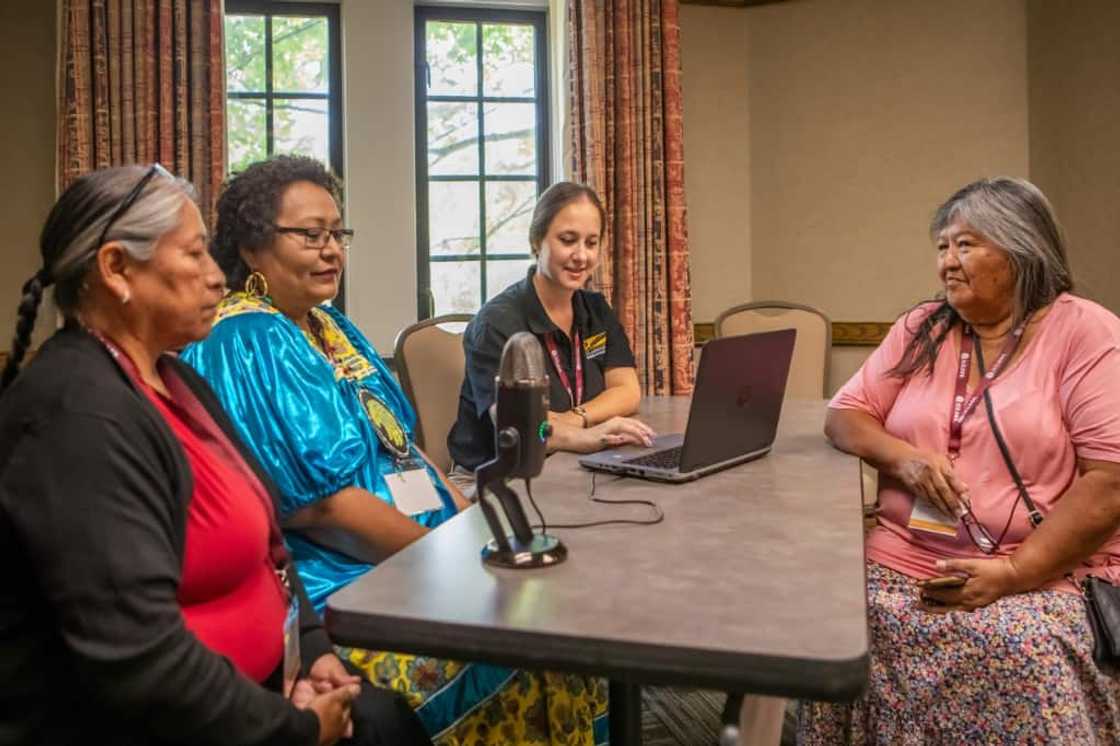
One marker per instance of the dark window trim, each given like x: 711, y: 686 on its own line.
x: 423, y: 14
x: 331, y: 11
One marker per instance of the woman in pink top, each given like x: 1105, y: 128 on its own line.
x: 1005, y: 654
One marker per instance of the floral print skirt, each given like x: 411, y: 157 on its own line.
x: 474, y: 704
x: 1019, y: 671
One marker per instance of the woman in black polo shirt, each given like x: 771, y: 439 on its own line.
x: 593, y: 391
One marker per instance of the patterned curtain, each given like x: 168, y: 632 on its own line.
x: 627, y: 142
x: 142, y: 81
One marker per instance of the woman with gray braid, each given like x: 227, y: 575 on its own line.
x: 150, y: 598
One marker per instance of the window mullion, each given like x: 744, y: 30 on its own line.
x: 269, y: 138
x: 481, y: 169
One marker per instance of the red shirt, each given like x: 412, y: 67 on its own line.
x: 230, y: 595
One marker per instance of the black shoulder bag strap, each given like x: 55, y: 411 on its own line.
x: 1102, y: 599
x: 1032, y: 510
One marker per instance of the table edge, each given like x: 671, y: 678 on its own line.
x: 837, y: 680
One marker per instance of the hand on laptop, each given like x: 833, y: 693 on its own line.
x: 615, y: 432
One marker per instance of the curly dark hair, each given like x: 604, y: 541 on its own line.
x: 248, y: 204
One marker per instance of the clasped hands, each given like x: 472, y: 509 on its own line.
x: 328, y: 691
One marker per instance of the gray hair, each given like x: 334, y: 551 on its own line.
x: 1016, y: 216
x: 71, y: 238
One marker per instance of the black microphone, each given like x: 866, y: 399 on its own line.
x: 521, y: 396
x: 520, y: 443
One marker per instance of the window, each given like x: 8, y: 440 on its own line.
x: 482, y: 151
x: 283, y: 84
x: 283, y: 81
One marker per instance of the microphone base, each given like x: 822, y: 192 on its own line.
x: 543, y: 551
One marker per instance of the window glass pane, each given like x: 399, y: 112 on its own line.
x: 246, y: 137
x: 245, y: 53
x: 299, y: 54
x: 509, y: 209
x: 453, y: 217
x: 456, y: 286
x: 511, y: 138
x: 507, y: 60
x: 501, y: 273
x: 453, y: 139
x: 452, y: 53
x: 300, y: 127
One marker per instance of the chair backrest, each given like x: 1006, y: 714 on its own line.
x: 430, y: 362
x: 808, y: 372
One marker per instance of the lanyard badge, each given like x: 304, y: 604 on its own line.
x: 962, y: 406
x: 389, y: 430
x: 924, y: 516
x: 575, y: 396
x: 409, y: 485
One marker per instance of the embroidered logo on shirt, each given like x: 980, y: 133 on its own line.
x: 595, y: 345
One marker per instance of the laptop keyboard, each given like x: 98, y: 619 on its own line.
x: 670, y: 458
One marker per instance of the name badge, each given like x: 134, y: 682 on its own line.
x: 291, y: 646
x: 413, y: 491
x: 925, y: 516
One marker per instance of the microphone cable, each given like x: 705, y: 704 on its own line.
x: 659, y: 515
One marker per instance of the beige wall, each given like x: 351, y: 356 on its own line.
x: 27, y: 140
x: 1075, y: 132
x: 717, y: 156
x: 377, y: 41
x: 863, y: 116
x: 380, y: 166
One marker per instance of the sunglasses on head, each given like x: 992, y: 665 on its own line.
x: 133, y: 195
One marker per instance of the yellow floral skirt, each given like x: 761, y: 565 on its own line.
x: 476, y: 704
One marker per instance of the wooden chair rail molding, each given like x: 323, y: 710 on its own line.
x: 844, y: 333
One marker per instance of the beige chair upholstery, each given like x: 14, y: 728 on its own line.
x: 430, y: 363
x: 808, y: 374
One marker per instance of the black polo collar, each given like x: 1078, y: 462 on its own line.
x: 533, y: 310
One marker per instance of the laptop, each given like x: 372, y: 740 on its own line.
x: 733, y: 417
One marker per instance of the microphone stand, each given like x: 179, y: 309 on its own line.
x: 522, y: 549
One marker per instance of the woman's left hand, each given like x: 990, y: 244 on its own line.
x: 988, y: 581
x: 328, y: 673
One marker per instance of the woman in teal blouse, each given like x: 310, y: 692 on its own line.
x: 325, y: 416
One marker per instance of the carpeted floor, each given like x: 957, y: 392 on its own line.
x: 686, y: 717
x: 680, y: 717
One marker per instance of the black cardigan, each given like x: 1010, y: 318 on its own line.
x: 94, y: 489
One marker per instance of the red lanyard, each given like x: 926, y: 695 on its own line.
x: 963, y: 407
x: 203, y: 422
x: 577, y: 364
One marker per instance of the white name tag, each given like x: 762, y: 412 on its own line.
x: 927, y: 517
x: 413, y: 491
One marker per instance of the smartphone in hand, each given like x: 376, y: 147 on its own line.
x: 945, y: 581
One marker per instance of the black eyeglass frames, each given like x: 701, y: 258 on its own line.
x: 318, y: 238
x: 133, y: 195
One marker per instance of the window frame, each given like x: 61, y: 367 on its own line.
x: 333, y: 96
x: 422, y: 14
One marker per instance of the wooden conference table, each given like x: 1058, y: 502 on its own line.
x: 754, y: 582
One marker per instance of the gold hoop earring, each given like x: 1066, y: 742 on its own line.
x: 256, y: 286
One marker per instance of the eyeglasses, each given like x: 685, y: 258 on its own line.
x: 977, y: 533
x: 318, y: 238
x: 134, y: 195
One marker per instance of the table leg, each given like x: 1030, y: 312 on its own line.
x: 625, y: 714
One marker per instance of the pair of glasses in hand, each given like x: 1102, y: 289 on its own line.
x: 979, y: 535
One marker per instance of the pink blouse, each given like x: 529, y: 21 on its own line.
x: 1058, y: 402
